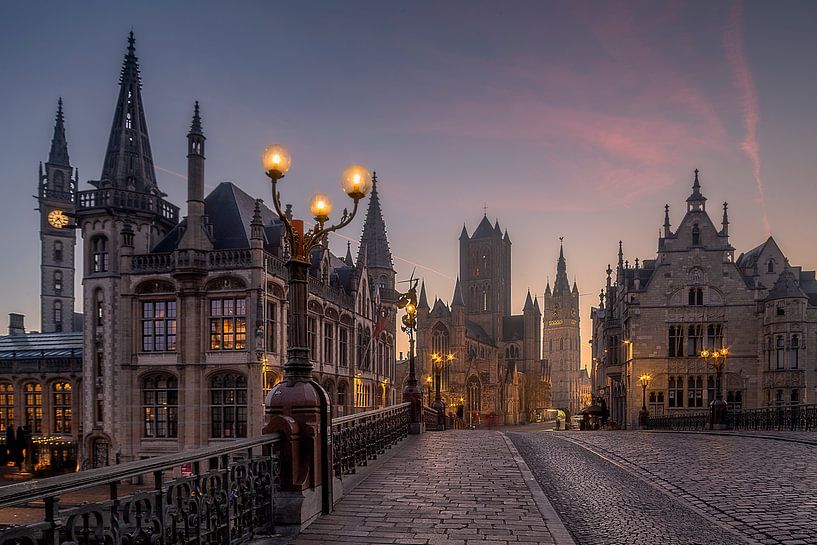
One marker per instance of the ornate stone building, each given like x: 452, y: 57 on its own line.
x: 561, y: 342
x: 185, y: 321
x: 498, y: 370
x: 657, y: 315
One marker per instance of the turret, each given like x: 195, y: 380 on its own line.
x: 696, y: 201
x: 374, y: 243
x: 195, y: 236
x: 667, y: 232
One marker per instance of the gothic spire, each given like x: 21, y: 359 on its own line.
x: 464, y: 233
x: 620, y: 255
x: 696, y: 201
x: 59, y: 145
x: 423, y: 303
x: 195, y: 126
x: 528, y: 303
x: 374, y: 240
x: 457, y: 300
x: 725, y: 221
x: 128, y: 160
x: 562, y: 284
x: 536, y: 305
x: 666, y: 221
x: 348, y: 259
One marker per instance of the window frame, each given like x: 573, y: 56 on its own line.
x: 160, y: 406
x: 228, y: 323
x: 160, y: 331
x: 228, y: 404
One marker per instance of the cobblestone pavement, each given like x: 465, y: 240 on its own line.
x: 451, y: 488
x: 693, y: 488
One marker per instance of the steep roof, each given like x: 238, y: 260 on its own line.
x: 374, y: 240
x: 128, y: 159
x: 475, y: 331
x: 58, y: 155
x: 787, y: 285
x: 457, y: 299
x: 484, y: 229
x: 229, y: 211
x: 513, y: 328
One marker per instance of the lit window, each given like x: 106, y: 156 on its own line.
x: 62, y: 408
x: 6, y: 406
x: 34, y: 406
x: 160, y: 400
x: 228, y: 324
x: 228, y: 406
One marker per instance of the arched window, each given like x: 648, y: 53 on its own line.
x: 99, y: 254
x: 6, y: 405
x: 473, y: 401
x: 228, y: 406
x: 62, y: 407
x: 160, y: 405
x: 484, y: 299
x: 770, y: 266
x: 58, y: 281
x: 440, y: 345
x: 794, y: 352
x: 33, y: 405
x: 58, y: 251
x: 696, y: 235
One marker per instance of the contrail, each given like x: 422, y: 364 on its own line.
x: 736, y: 56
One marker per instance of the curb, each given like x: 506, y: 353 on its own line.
x: 740, y: 434
x: 552, y: 520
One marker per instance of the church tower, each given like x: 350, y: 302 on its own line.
x: 561, y: 344
x: 485, y: 272
x: 56, y: 199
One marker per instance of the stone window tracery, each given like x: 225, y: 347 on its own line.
x: 160, y: 400
x: 228, y: 406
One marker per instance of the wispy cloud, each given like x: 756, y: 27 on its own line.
x: 742, y: 75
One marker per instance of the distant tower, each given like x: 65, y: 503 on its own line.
x: 55, y: 196
x: 560, y: 338
x: 485, y: 272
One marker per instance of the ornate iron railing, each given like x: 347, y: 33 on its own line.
x: 358, y: 438
x: 229, y: 501
x: 789, y: 418
x: 431, y: 417
x: 686, y: 421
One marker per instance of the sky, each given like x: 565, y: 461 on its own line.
x: 573, y: 119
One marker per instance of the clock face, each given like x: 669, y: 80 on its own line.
x: 57, y: 219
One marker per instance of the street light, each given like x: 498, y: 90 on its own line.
x: 439, y: 360
x: 356, y: 182
x: 718, y: 408
x: 408, y: 302
x: 644, y: 414
x: 429, y: 380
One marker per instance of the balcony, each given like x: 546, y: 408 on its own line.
x: 120, y: 199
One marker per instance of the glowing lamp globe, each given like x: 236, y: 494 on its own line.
x: 356, y: 181
x: 320, y: 206
x: 277, y: 161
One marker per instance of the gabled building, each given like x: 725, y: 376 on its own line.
x: 498, y: 371
x: 657, y: 315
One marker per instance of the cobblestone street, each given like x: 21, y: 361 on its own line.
x: 645, y: 488
x: 450, y: 488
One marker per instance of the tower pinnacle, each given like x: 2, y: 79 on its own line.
x: 59, y: 145
x: 374, y: 241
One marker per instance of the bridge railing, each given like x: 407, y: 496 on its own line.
x: 788, y: 418
x: 361, y: 437
x: 223, y: 494
x: 431, y: 418
x: 686, y: 421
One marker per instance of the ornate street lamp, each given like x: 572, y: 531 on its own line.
x: 299, y: 403
x: 439, y: 360
x: 429, y: 381
x: 411, y: 392
x: 718, y: 408
x: 644, y: 414
x: 356, y: 182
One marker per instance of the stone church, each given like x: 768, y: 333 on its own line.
x: 657, y: 315
x: 497, y: 374
x: 185, y: 318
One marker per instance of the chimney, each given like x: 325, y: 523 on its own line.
x: 17, y: 324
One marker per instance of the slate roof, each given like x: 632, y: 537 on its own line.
x: 786, y: 286
x: 484, y: 229
x: 513, y: 328
x: 41, y: 345
x: 475, y: 331
x: 374, y: 240
x: 229, y: 211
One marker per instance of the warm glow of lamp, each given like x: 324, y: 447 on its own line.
x: 356, y: 181
x: 277, y: 161
x: 645, y: 379
x: 724, y: 351
x: 704, y: 353
x: 428, y: 379
x: 320, y: 206
x: 410, y: 308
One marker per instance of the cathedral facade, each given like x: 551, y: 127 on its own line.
x: 184, y: 319
x: 657, y: 316
x: 497, y: 373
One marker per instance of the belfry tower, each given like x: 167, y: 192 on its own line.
x: 560, y: 337
x: 56, y: 199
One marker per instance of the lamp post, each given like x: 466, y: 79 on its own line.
x: 429, y: 380
x: 718, y: 407
x: 411, y: 392
x: 644, y: 414
x: 439, y: 360
x: 299, y: 403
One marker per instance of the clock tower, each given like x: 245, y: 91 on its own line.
x: 56, y: 199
